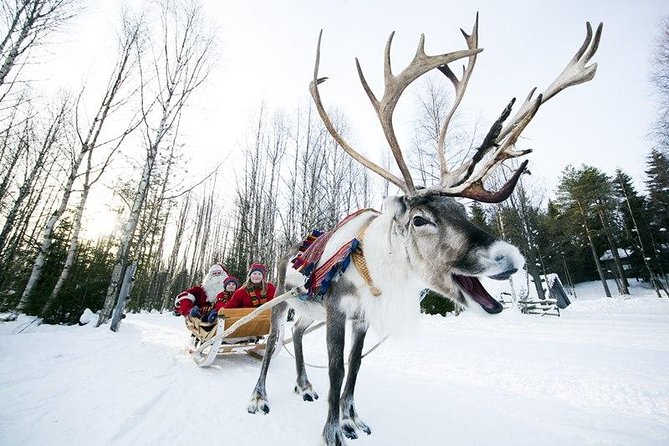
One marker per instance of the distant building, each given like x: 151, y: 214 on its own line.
x: 625, y: 255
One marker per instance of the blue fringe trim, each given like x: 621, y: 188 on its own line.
x: 318, y: 290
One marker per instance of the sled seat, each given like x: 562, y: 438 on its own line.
x: 258, y: 326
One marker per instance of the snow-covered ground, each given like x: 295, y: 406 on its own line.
x: 597, y: 375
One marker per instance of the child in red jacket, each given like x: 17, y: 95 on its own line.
x: 230, y: 285
x: 255, y: 291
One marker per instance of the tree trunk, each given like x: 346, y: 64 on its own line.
x: 31, y: 20
x: 128, y: 279
x: 624, y: 285
x: 594, y: 252
x: 14, y: 52
x: 127, y: 236
x: 651, y: 274
x: 74, y: 242
x: 568, y: 276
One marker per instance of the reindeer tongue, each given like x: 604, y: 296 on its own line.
x: 472, y: 286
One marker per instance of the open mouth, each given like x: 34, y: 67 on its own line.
x: 473, y: 287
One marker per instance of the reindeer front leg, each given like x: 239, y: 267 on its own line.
x: 350, y: 422
x: 336, y: 326
x: 259, y: 396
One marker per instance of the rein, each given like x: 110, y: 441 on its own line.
x: 317, y: 366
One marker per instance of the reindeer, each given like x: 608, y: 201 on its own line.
x: 423, y: 239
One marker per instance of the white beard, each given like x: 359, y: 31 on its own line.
x: 213, y: 285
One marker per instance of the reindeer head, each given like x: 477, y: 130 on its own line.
x: 448, y: 251
x: 442, y: 245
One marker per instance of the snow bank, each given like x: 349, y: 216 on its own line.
x: 597, y: 375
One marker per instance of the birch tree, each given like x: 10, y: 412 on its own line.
x: 252, y: 195
x: 87, y: 142
x: 44, y: 150
x: 433, y: 103
x: 37, y: 173
x: 11, y: 153
x: 322, y: 184
x: 27, y: 22
x: 180, y: 65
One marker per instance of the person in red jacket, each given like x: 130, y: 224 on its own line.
x: 255, y: 291
x: 199, y: 301
x: 230, y: 285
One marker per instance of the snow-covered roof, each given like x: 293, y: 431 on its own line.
x: 622, y: 253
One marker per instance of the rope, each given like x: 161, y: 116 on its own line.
x: 26, y: 325
x: 325, y: 366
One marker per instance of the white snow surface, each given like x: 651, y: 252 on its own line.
x: 597, y: 375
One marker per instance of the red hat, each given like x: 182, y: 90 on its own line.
x: 258, y: 267
x: 230, y: 279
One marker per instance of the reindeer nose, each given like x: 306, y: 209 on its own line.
x: 505, y: 260
x: 504, y: 275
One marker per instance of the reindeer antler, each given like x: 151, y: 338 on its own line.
x: 394, y: 87
x: 467, y: 180
x: 498, y: 145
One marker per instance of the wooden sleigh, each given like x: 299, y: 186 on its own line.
x: 237, y: 330
x: 249, y: 337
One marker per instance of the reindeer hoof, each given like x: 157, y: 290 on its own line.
x: 258, y: 403
x: 363, y: 427
x: 351, y: 426
x: 348, y: 429
x: 308, y: 393
x: 333, y: 439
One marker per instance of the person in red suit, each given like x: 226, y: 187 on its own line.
x: 255, y: 291
x: 230, y: 285
x: 200, y: 301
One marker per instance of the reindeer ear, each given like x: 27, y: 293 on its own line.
x: 395, y: 206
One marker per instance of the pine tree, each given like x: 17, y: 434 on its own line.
x: 633, y: 216
x: 658, y: 207
x: 658, y: 188
x: 637, y: 229
x: 479, y: 216
x: 568, y: 244
x: 586, y: 194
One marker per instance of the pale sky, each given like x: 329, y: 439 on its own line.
x: 267, y: 49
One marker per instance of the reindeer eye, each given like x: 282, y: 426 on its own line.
x: 420, y: 221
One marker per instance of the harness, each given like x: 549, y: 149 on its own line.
x: 310, y: 252
x: 359, y: 261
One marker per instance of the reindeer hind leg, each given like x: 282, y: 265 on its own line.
x: 303, y: 387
